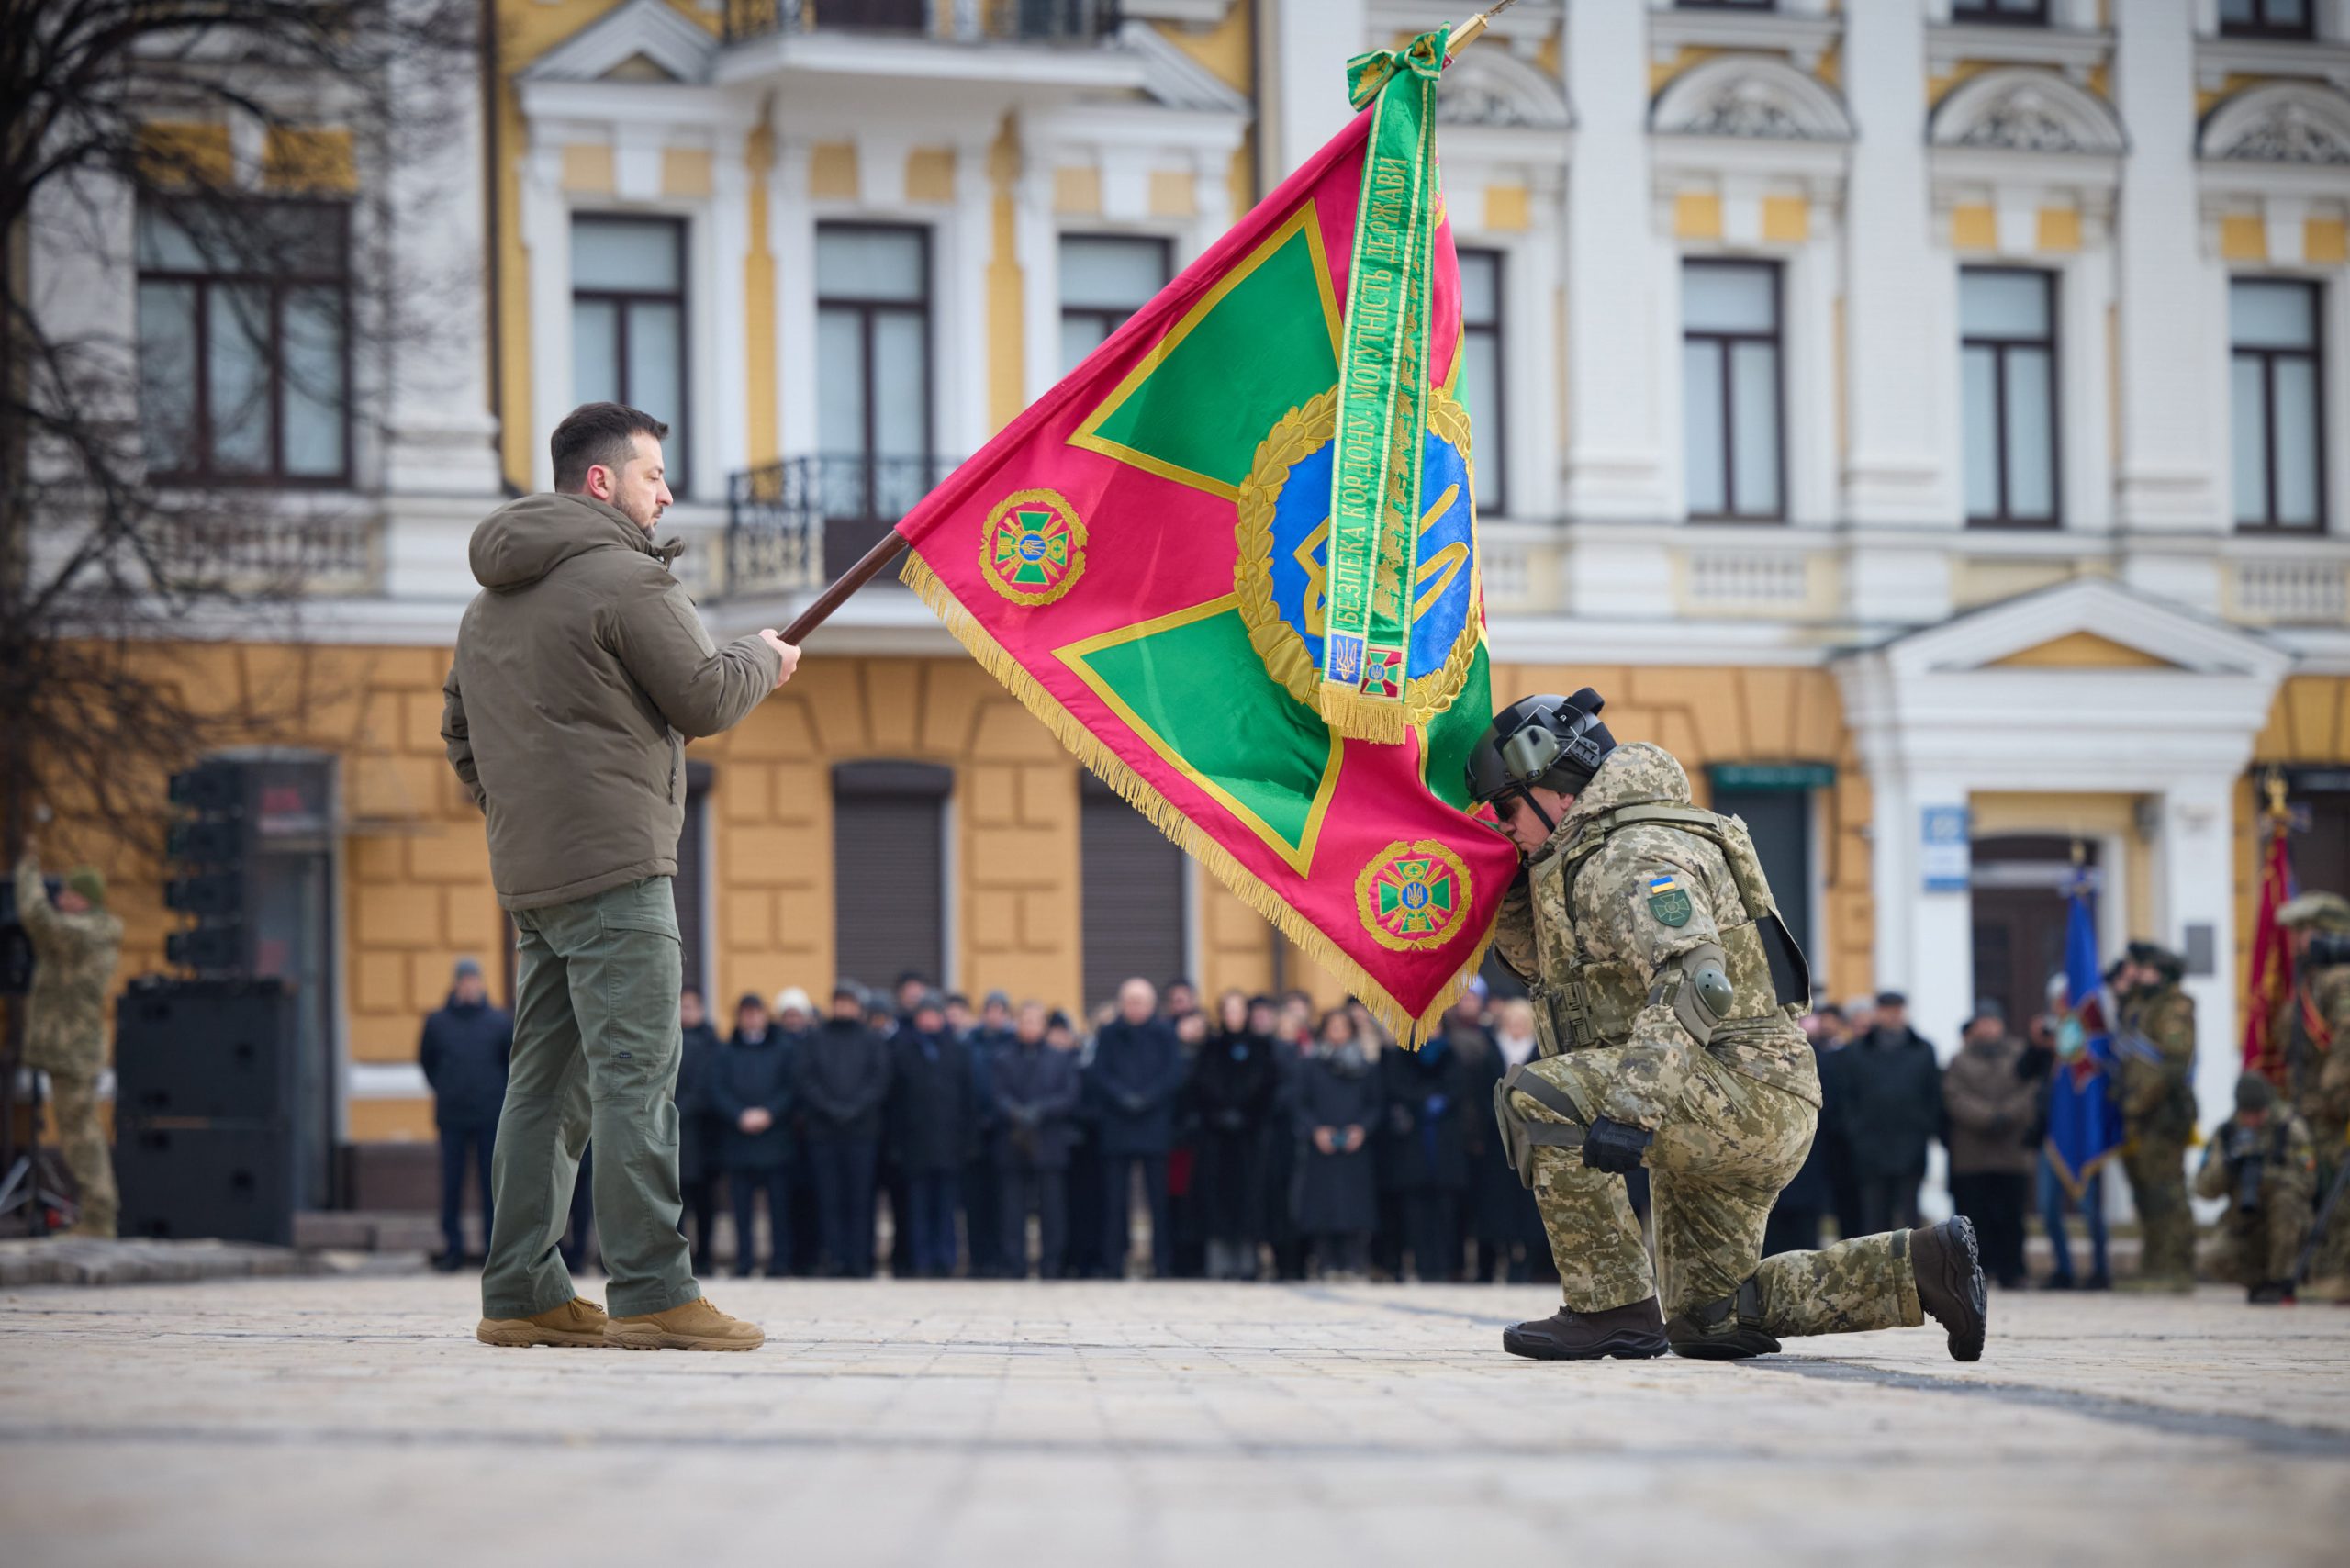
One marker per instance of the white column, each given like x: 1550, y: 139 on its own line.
x: 963, y: 346
x: 1939, y: 965
x: 1307, y: 45
x: 1893, y: 475
x: 1212, y: 211
x: 1808, y: 342
x: 722, y: 441
x: 1036, y: 244
x: 791, y: 240
x: 1529, y: 360
x: 439, y: 433
x: 546, y: 241
x: 2168, y: 478
x: 1624, y: 281
x: 2195, y: 885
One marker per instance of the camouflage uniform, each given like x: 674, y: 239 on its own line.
x: 2315, y: 1028
x: 2157, y: 1094
x: 65, y: 1033
x: 2262, y: 1246
x: 1732, y: 1120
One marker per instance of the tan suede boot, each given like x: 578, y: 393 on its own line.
x: 696, y: 1326
x: 576, y: 1322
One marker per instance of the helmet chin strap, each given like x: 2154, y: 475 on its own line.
x: 1526, y: 793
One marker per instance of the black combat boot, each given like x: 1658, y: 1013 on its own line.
x: 1630, y: 1333
x: 1950, y: 1283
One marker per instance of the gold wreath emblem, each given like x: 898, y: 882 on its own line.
x: 1296, y: 436
x: 1386, y: 892
x: 1029, y: 566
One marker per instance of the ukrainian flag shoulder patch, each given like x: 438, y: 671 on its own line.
x: 1668, y: 901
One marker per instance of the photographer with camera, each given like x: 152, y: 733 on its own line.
x: 2315, y: 1030
x: 2260, y: 1161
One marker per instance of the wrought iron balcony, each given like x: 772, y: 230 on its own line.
x: 799, y: 523
x: 961, y: 21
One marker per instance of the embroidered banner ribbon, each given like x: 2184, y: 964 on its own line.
x: 1382, y: 395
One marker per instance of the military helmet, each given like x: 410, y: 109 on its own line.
x: 1555, y: 742
x: 2319, y: 911
x: 2254, y: 1093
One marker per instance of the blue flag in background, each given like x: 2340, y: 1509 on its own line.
x: 2083, y: 1122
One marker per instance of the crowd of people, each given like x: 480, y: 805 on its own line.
x: 1255, y: 1136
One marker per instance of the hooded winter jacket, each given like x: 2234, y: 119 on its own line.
x: 582, y: 669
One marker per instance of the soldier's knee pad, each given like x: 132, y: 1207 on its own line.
x: 1522, y: 1133
x: 1728, y: 1329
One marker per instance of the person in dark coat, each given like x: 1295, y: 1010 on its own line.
x: 841, y: 1082
x: 751, y: 1089
x: 1137, y: 1076
x: 1423, y: 1153
x: 982, y: 1227
x: 1234, y: 1082
x: 700, y: 1130
x: 931, y: 1118
x: 1891, y: 1090
x: 464, y: 1052
x: 1490, y: 1207
x: 1831, y: 1046
x: 1336, y: 1198
x: 1036, y: 1086
x: 1794, y: 1222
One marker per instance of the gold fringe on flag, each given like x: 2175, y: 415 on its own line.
x: 1353, y: 712
x: 1137, y: 791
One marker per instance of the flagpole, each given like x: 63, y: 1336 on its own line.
x: 893, y: 543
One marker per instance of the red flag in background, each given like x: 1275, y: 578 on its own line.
x: 2271, y: 976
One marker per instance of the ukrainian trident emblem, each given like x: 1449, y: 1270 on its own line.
x: 1411, y: 895
x: 1032, y: 549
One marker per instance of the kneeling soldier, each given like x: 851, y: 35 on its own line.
x: 2263, y: 1161
x: 1665, y: 993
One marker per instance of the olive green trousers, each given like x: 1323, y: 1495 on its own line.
x: 595, y: 1048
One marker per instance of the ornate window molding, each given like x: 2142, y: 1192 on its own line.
x: 1750, y: 97
x: 651, y: 29
x: 1496, y: 88
x: 2020, y: 109
x: 2279, y: 123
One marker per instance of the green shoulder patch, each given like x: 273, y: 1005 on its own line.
x: 1668, y: 900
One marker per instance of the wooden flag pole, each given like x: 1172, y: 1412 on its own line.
x: 893, y: 543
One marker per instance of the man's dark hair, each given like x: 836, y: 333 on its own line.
x: 597, y: 433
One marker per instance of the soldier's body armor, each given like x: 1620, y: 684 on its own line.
x: 1581, y: 1003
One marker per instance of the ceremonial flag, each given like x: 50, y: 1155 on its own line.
x: 2084, y: 1122
x: 2271, y: 976
x: 1231, y: 561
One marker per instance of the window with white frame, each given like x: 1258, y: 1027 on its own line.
x: 1104, y: 279
x: 2007, y: 322
x: 628, y: 322
x: 244, y: 361
x: 1481, y: 374
x: 1729, y: 389
x: 873, y: 358
x: 2276, y: 403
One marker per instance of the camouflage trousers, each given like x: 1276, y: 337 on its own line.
x: 2256, y: 1248
x: 1714, y: 1168
x: 73, y: 1101
x: 2156, y: 1165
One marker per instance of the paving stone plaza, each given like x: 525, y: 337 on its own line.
x: 354, y: 1420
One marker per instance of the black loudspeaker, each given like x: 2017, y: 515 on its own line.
x: 233, y: 1181
x: 210, y: 1049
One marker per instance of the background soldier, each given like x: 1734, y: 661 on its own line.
x: 75, y: 943
x: 2260, y: 1161
x: 1665, y: 990
x: 2316, y: 1070
x: 2157, y: 1092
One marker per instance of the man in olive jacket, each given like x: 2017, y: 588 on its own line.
x: 582, y: 669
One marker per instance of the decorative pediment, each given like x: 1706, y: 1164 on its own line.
x: 2088, y: 623
x: 639, y: 40
x: 1172, y: 78
x: 2023, y: 110
x: 1752, y: 96
x: 2283, y: 122
x: 1496, y: 88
